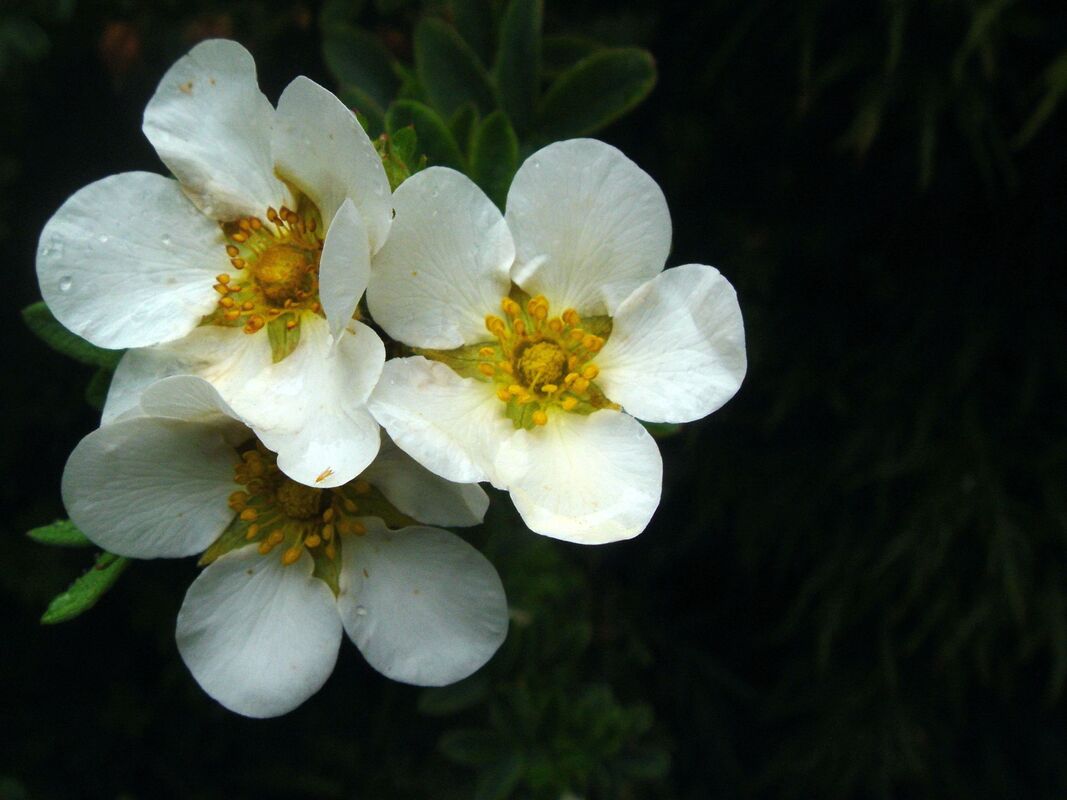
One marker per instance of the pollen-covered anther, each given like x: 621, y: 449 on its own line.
x: 359, y: 486
x: 292, y: 555
x: 539, y: 417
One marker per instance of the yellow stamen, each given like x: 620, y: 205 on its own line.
x: 292, y: 555
x: 539, y: 417
x: 486, y: 369
x: 569, y: 403
x: 591, y: 371
x: 249, y: 515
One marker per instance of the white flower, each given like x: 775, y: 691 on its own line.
x: 247, y: 269
x: 289, y: 566
x: 591, y: 333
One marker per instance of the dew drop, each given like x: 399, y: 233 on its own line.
x: 104, y: 238
x: 166, y: 241
x: 434, y: 214
x: 361, y: 611
x: 434, y: 193
x: 65, y: 283
x: 537, y: 164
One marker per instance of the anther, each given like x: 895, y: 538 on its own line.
x: 505, y: 366
x: 580, y: 385
x: 247, y: 305
x: 240, y: 236
x: 238, y: 500
x: 539, y: 417
x: 486, y: 352
x: 244, y: 224
x: 503, y: 394
x: 486, y: 369
x: 350, y: 505
x: 591, y: 342
x: 252, y: 532
x: 220, y: 288
x: 591, y: 371
x: 232, y: 315
x: 272, y: 215
x: 238, y: 263
x: 361, y: 487
x: 576, y: 334
x: 223, y: 278
x: 555, y: 325
x: 292, y: 555
x: 569, y: 403
x: 570, y: 378
x: 232, y: 251
x: 314, y: 540
x: 549, y: 388
x: 359, y: 528
x: 327, y: 532
x: 276, y: 537
x: 510, y: 307
x: 327, y: 515
x: 495, y: 325
x: 290, y: 324
x: 570, y: 316
x: 226, y: 302
x: 249, y: 515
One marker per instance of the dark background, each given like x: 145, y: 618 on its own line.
x: 855, y: 585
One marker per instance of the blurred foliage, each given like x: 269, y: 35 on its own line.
x: 855, y: 585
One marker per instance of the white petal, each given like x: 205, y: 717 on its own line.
x: 186, y: 398
x: 420, y: 494
x: 590, y: 226
x: 445, y: 265
x: 211, y: 126
x: 344, y: 267
x: 677, y: 347
x: 310, y: 408
x: 421, y: 604
x: 259, y: 637
x: 589, y: 479
x: 127, y: 261
x: 453, y: 426
x: 320, y: 146
x: 150, y: 488
x: 226, y: 357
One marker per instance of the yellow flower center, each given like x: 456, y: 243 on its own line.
x: 542, y: 363
x: 287, y: 517
x: 276, y: 270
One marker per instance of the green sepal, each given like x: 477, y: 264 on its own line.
x: 598, y: 326
x: 328, y: 570
x: 84, y: 593
x: 358, y: 58
x: 374, y: 504
x: 449, y: 70
x: 61, y: 533
x: 370, y: 115
x: 97, y: 388
x: 464, y: 360
x: 435, y: 139
x: 518, y: 61
x: 595, y: 92
x: 495, y: 157
x: 662, y: 430
x: 283, y: 339
x: 463, y: 124
x: 39, y: 319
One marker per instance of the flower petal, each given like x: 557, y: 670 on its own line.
x: 319, y: 145
x: 310, y: 408
x: 589, y: 479
x: 422, y: 495
x: 186, y: 398
x: 677, y: 347
x: 151, y: 488
x: 344, y: 267
x: 422, y: 605
x: 451, y: 425
x: 210, y: 124
x: 227, y: 358
x: 590, y: 226
x: 259, y: 637
x: 445, y: 265
x: 127, y: 261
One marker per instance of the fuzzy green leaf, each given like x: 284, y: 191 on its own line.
x: 473, y: 748
x: 84, y: 593
x: 463, y: 124
x: 518, y: 61
x: 495, y: 156
x: 368, y: 112
x: 474, y: 22
x: 435, y: 139
x: 39, y: 319
x: 449, y: 70
x: 61, y: 533
x: 358, y: 58
x: 560, y: 53
x: 595, y: 92
x: 499, y: 780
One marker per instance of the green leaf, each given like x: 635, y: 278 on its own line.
x: 358, y: 58
x: 368, y: 112
x: 500, y: 779
x: 283, y: 339
x: 61, y: 533
x: 84, y: 593
x: 96, y: 391
x: 560, y: 53
x: 444, y: 700
x: 338, y: 14
x: 435, y: 140
x: 495, y: 157
x: 474, y: 21
x: 647, y: 763
x: 472, y: 747
x: 39, y: 319
x: 518, y: 61
x: 449, y: 70
x: 596, y: 91
x: 463, y: 124
x: 662, y: 430
x: 399, y: 154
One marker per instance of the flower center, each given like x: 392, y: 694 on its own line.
x: 276, y: 270
x: 542, y: 363
x: 284, y: 516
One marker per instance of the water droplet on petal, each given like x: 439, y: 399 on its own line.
x: 166, y: 241
x: 361, y: 611
x: 65, y: 283
x: 104, y: 238
x: 537, y: 164
x: 434, y: 193
x: 434, y: 214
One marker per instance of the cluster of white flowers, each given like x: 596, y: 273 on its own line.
x: 243, y: 421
